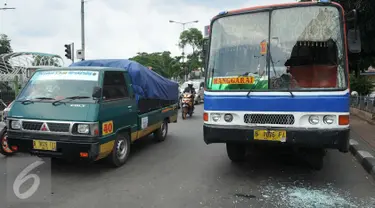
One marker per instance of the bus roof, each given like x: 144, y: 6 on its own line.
x: 277, y: 5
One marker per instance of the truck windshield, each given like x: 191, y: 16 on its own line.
x: 299, y: 48
x: 57, y: 85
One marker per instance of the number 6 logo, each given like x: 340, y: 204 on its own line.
x: 23, y: 177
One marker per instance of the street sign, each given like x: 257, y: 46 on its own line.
x: 80, y: 54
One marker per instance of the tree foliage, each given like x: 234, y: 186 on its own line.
x: 171, y: 67
x: 161, y: 62
x: 45, y: 61
x: 5, y: 46
x: 194, y: 38
x: 362, y: 84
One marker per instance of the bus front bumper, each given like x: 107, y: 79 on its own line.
x: 314, y: 138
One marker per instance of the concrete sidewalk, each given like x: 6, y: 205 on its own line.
x: 362, y: 142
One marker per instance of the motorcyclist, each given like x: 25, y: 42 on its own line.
x: 190, y: 89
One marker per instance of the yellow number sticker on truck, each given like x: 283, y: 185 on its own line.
x: 107, y: 128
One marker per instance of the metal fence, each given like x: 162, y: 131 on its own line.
x: 7, y: 98
x: 364, y: 103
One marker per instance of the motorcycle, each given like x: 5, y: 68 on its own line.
x: 4, y: 148
x: 187, y: 104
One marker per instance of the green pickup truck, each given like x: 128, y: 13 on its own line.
x: 90, y: 112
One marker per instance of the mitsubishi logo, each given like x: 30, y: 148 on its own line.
x: 44, y: 127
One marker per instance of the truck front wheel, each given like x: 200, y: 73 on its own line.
x: 4, y: 148
x: 236, y: 152
x: 121, y: 150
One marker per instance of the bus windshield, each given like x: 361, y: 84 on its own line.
x: 297, y: 48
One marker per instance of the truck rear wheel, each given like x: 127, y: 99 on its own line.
x: 236, y: 152
x: 121, y: 150
x: 161, y: 133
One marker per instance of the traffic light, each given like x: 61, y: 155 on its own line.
x: 68, y: 51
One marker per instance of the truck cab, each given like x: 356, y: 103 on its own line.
x: 85, y: 113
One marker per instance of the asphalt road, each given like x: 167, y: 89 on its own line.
x: 185, y: 172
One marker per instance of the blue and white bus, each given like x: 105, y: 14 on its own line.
x: 278, y: 74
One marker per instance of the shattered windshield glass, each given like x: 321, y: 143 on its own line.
x: 303, y: 50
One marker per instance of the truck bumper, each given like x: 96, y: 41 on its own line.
x: 66, y: 146
x: 330, y: 139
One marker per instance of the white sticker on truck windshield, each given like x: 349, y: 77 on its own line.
x: 66, y: 75
x: 144, y: 122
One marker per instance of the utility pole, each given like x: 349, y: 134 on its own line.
x: 83, y: 29
x: 183, y: 48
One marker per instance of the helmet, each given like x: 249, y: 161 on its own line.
x: 189, y: 83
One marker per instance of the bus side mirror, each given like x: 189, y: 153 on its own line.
x: 97, y: 92
x: 205, y: 47
x: 353, y: 35
x: 354, y: 41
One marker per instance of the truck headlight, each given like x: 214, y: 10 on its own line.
x: 83, y: 128
x: 15, y: 124
x: 314, y: 120
x: 215, y: 117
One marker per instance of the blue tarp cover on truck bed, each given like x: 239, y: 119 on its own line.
x: 145, y: 82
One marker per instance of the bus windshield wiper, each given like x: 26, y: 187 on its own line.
x: 290, y: 91
x: 37, y: 98
x: 248, y: 93
x: 70, y: 98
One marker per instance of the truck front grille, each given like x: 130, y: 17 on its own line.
x: 54, y: 127
x: 59, y: 127
x: 31, y: 125
x: 282, y: 119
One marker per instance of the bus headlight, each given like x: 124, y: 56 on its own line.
x: 15, y: 124
x: 215, y: 117
x: 314, y: 120
x: 328, y: 119
x: 228, y: 117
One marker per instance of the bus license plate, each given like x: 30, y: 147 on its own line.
x: 270, y: 135
x: 44, y: 145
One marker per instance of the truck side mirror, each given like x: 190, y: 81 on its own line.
x: 97, y: 92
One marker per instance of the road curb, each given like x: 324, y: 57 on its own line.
x: 365, y: 158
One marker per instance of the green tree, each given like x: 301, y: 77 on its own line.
x: 45, y: 61
x: 194, y: 38
x: 362, y: 84
x: 161, y: 62
x: 5, y: 46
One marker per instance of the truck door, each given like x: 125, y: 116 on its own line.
x: 117, y: 107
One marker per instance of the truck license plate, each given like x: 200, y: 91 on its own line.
x: 44, y: 145
x: 270, y: 135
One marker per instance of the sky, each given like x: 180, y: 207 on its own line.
x: 113, y: 28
